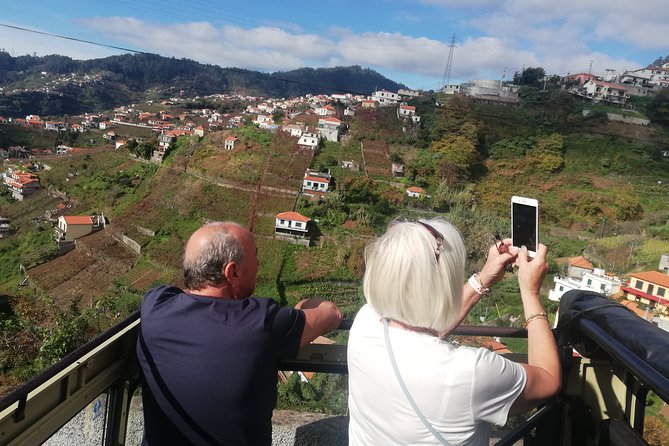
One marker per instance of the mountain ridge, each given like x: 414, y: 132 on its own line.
x: 29, y: 82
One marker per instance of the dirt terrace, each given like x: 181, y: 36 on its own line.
x: 83, y: 274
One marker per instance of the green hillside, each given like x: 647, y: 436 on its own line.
x: 602, y: 189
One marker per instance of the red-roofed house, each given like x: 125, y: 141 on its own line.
x: 408, y: 112
x: 21, y: 183
x: 315, y: 183
x: 650, y: 288
x: 581, y: 78
x: 416, y: 192
x: 329, y: 128
x: 230, y: 142
x: 292, y: 224
x: 328, y: 110
x: 579, y: 266
x: 71, y: 227
x: 199, y: 131
x: 606, y: 91
x: 368, y: 103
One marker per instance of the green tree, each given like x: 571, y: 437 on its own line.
x: 658, y: 108
x: 458, y: 152
x: 530, y: 77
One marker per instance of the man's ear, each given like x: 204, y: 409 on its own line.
x: 230, y: 271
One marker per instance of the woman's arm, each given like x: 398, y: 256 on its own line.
x: 491, y: 273
x: 543, y: 365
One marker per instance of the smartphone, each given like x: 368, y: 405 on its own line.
x: 525, y: 223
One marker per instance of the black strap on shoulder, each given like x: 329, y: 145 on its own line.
x: 183, y: 418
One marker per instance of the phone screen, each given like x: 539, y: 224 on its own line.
x: 524, y: 226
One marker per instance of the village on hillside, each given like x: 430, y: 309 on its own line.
x: 311, y: 121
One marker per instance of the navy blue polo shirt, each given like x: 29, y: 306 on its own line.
x: 218, y: 358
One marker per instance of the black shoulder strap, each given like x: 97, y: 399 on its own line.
x: 183, y: 419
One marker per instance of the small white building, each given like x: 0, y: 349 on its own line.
x: 230, y: 142
x: 71, y: 227
x: 294, y: 129
x: 405, y: 111
x: 292, y: 224
x: 329, y: 128
x: 385, y: 98
x: 316, y: 183
x: 309, y: 140
x: 596, y: 280
x: 327, y: 110
x: 415, y: 192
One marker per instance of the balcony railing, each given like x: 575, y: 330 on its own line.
x: 603, y: 390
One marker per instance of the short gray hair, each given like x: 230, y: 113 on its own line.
x: 405, y: 281
x: 219, y: 247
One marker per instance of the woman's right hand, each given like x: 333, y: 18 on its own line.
x: 531, y: 272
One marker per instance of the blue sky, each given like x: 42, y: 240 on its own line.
x: 405, y: 40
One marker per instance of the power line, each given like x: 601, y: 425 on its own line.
x: 75, y: 39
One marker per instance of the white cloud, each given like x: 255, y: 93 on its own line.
x: 23, y: 42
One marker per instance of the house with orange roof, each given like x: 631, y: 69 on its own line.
x: 292, y: 225
x: 328, y: 127
x: 199, y: 131
x: 315, y: 184
x: 72, y: 227
x: 606, y: 91
x: 649, y: 288
x: 327, y: 110
x: 34, y: 120
x: 578, y: 267
x: 21, y: 183
x: 416, y: 192
x: 230, y: 142
x: 408, y: 112
x: 369, y: 103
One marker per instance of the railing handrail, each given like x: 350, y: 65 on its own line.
x: 33, y: 383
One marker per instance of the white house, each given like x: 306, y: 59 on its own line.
x: 647, y: 77
x: 605, y: 91
x: 405, y: 111
x: 596, y: 280
x: 328, y: 110
x: 71, y: 227
x: 415, y: 192
x: 385, y: 97
x: 310, y: 140
x: 315, y: 183
x: 294, y: 129
x: 329, y: 128
x: 230, y: 142
x: 292, y: 224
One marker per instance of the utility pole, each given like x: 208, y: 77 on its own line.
x: 449, y: 63
x: 590, y: 68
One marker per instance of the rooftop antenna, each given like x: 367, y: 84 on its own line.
x: 449, y: 64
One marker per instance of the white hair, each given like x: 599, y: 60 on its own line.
x: 404, y: 279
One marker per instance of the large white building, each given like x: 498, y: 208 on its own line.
x: 596, y: 280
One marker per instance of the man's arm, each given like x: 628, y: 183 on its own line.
x: 320, y: 317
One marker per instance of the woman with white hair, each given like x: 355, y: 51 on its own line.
x: 407, y: 385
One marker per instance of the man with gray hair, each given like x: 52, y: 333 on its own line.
x: 209, y: 354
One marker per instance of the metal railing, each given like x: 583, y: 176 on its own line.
x: 614, y: 386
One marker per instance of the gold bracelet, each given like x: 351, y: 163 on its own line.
x: 534, y: 316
